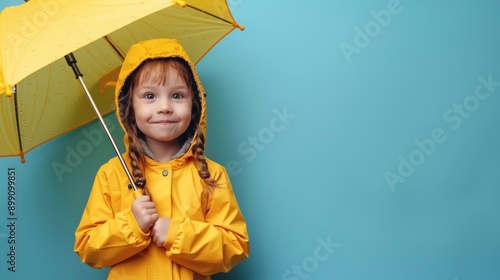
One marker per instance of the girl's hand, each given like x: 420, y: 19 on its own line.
x: 144, y: 212
x: 159, y: 231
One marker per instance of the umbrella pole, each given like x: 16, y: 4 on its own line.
x: 70, y: 59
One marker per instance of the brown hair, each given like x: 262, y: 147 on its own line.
x: 156, y: 71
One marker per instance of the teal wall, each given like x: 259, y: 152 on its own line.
x: 361, y: 137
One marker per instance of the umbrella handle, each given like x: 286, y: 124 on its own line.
x: 137, y: 193
x: 70, y: 59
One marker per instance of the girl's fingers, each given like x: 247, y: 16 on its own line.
x: 148, y: 205
x: 143, y: 198
x: 147, y: 211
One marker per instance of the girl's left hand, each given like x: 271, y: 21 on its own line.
x: 159, y: 231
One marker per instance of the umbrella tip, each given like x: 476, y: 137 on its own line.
x: 8, y: 91
x: 181, y: 3
x: 236, y: 25
x: 23, y: 160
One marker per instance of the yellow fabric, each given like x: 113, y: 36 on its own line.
x: 207, y: 234
x: 36, y: 35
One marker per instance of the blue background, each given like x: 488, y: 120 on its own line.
x: 311, y: 108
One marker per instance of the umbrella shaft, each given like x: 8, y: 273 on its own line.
x: 113, y: 143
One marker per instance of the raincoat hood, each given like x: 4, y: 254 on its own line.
x: 154, y: 49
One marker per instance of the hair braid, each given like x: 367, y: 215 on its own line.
x: 136, y: 160
x: 198, y: 150
x: 135, y: 150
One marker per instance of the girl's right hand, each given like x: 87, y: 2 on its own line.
x: 144, y: 212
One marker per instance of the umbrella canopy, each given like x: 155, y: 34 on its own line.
x: 39, y: 97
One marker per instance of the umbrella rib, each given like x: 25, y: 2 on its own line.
x: 16, y: 107
x: 215, y: 16
x: 114, y: 47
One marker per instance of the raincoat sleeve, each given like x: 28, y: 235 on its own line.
x: 217, y: 244
x: 104, y: 236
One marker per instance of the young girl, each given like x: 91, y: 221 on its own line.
x: 188, y: 225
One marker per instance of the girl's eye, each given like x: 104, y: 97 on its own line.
x: 149, y: 95
x: 177, y: 96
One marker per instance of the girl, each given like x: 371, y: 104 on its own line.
x: 188, y: 225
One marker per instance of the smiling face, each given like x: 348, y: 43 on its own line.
x: 162, y: 103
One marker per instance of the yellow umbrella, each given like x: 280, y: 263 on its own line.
x: 42, y: 100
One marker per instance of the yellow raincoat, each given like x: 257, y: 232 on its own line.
x: 207, y: 233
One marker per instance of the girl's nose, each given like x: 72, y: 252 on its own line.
x: 164, y: 106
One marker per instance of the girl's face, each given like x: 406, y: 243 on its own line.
x: 162, y: 108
